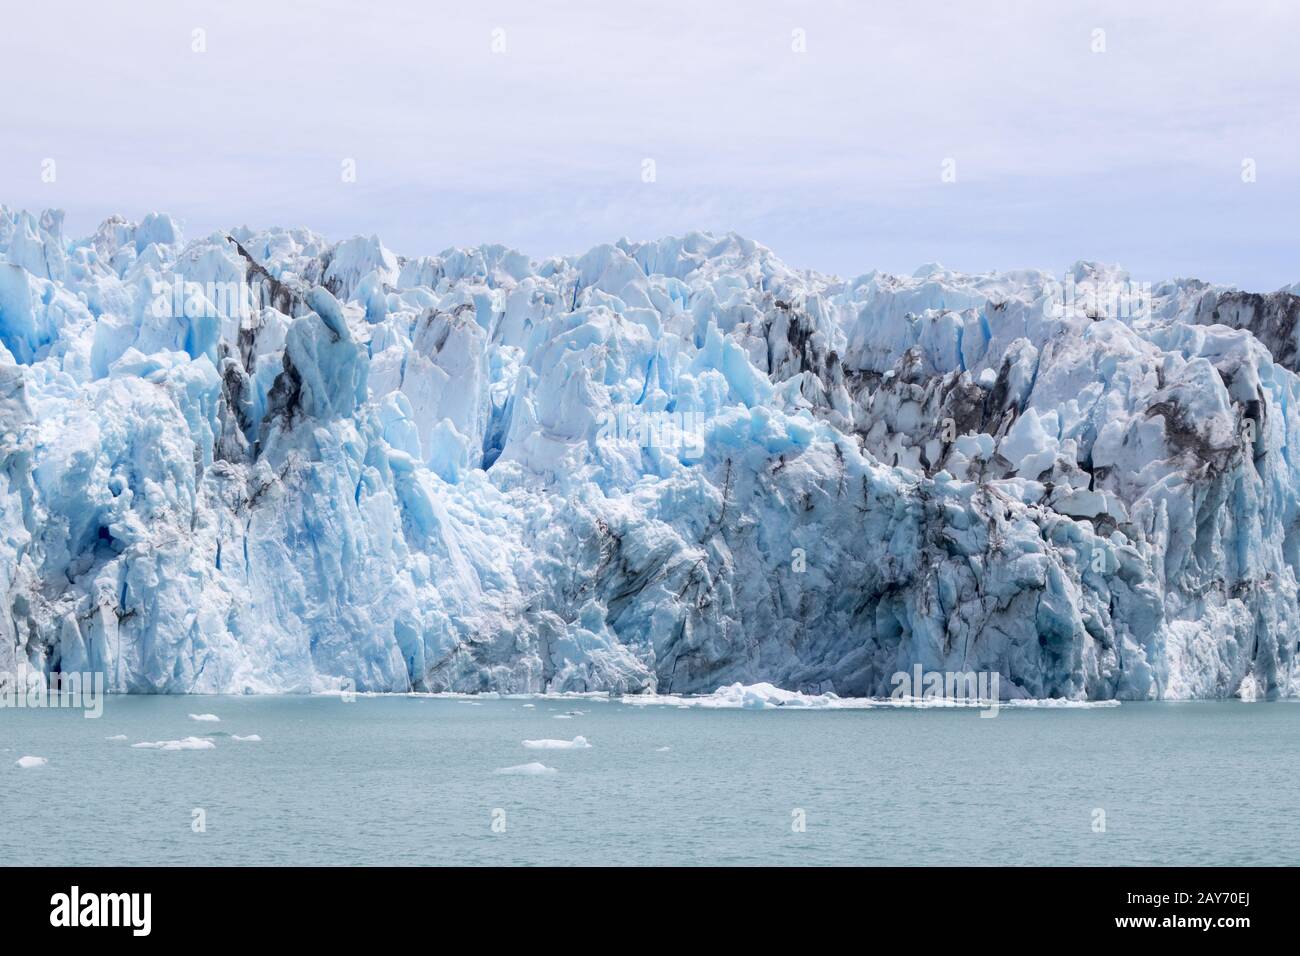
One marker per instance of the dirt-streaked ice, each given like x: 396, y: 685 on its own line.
x: 669, y: 466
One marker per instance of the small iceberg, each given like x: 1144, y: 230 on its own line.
x: 662, y: 750
x: 528, y: 770
x: 27, y: 763
x: 187, y: 743
x: 761, y: 696
x: 577, y: 743
x: 251, y: 738
x: 765, y: 696
x: 116, y: 737
x: 1061, y: 703
x: 211, y: 718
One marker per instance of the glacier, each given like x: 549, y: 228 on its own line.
x: 262, y: 462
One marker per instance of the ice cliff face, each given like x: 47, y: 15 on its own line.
x: 667, y: 465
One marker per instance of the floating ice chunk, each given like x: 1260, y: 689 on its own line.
x: 251, y: 738
x: 529, y: 706
x: 116, y: 737
x: 213, y: 718
x: 1060, y: 703
x: 764, y: 695
x: 577, y: 743
x: 533, y: 769
x: 662, y: 750
x: 562, y: 717
x: 761, y: 696
x: 27, y: 763
x: 186, y: 743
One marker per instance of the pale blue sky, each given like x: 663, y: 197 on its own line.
x: 832, y: 157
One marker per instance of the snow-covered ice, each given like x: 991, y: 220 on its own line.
x: 577, y: 743
x: 209, y: 718
x: 262, y: 461
x: 29, y: 762
x: 250, y: 738
x: 528, y: 770
x: 117, y: 737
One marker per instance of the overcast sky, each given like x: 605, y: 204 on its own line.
x: 833, y: 157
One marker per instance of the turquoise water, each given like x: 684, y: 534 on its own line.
x: 408, y: 780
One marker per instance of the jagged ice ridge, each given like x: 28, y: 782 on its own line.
x: 665, y: 466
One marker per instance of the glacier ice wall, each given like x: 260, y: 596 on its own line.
x: 262, y: 461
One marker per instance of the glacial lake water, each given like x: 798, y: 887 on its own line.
x: 413, y: 780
